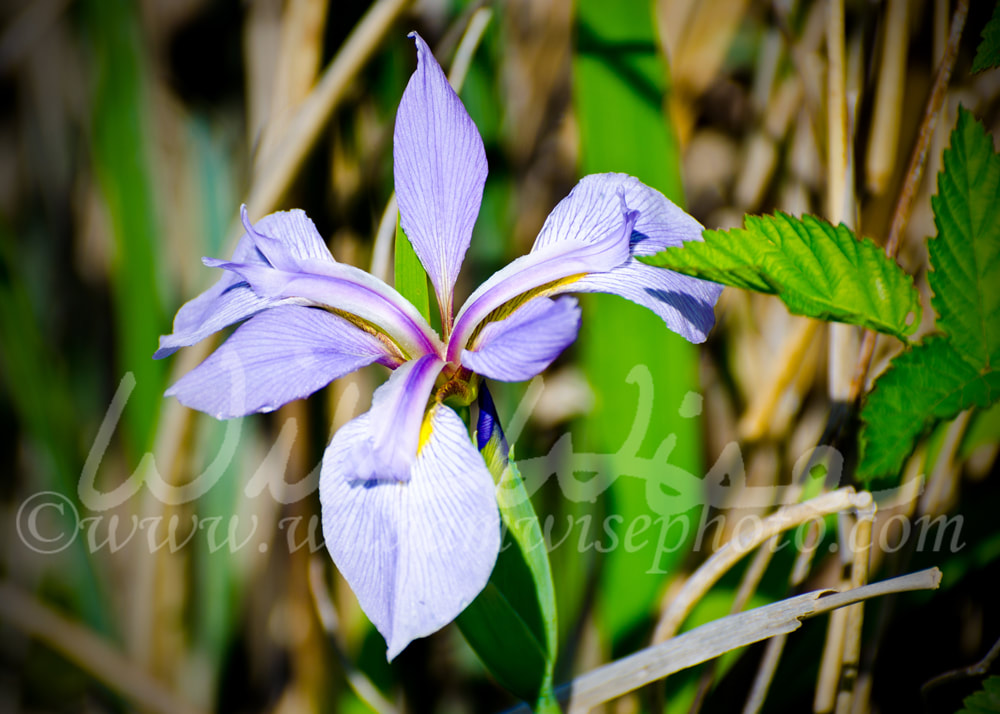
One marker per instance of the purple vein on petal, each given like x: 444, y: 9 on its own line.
x: 525, y: 344
x: 347, y: 289
x: 439, y: 166
x: 281, y: 354
x: 398, y: 408
x: 415, y: 553
x: 546, y: 265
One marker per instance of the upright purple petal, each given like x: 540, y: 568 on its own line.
x: 414, y: 553
x: 231, y: 300
x: 440, y: 168
x: 542, y: 272
x: 397, y: 418
x: 526, y: 343
x: 685, y: 304
x: 282, y: 354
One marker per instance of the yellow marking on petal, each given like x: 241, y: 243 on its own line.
x: 426, y: 428
x: 512, y: 305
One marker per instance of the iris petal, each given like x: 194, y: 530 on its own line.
x: 282, y: 354
x: 347, y: 289
x: 397, y: 417
x: 415, y: 553
x: 439, y: 165
x: 685, y: 304
x: 231, y: 299
x: 543, y: 269
x: 526, y: 343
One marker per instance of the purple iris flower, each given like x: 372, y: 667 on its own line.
x: 409, y: 512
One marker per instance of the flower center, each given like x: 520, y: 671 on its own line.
x: 457, y: 386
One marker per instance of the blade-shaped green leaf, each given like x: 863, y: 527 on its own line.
x: 985, y: 701
x: 121, y: 156
x: 817, y: 270
x: 411, y: 279
x: 925, y: 384
x: 512, y: 624
x: 621, y: 85
x: 988, y: 52
x: 965, y: 255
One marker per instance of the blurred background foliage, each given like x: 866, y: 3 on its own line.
x: 130, y: 132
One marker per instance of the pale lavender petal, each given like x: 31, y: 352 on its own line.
x: 526, y: 343
x: 282, y: 354
x: 397, y: 417
x: 346, y: 289
x: 414, y: 553
x: 439, y: 166
x: 685, y: 304
x: 231, y: 299
x: 285, y: 238
x: 542, y: 272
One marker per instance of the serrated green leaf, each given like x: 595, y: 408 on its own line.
x: 965, y: 255
x: 512, y: 623
x: 817, y: 270
x: 924, y: 384
x: 988, y: 52
x: 985, y: 701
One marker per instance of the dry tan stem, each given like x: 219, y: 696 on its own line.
x: 275, y: 170
x: 861, y: 540
x: 711, y: 640
x: 748, y: 586
x: 918, y: 158
x: 836, y: 114
x: 89, y: 652
x: 776, y: 645
x: 362, y: 686
x: 728, y: 555
x: 754, y: 423
x: 888, y: 98
x: 941, y: 485
x: 765, y: 673
x: 842, y: 344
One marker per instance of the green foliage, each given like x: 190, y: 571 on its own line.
x: 618, y: 64
x: 925, y: 384
x: 944, y: 375
x: 965, y: 256
x: 411, y: 279
x: 988, y: 52
x: 985, y: 701
x: 120, y: 146
x: 817, y: 270
x: 512, y: 624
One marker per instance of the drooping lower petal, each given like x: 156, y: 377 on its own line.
x: 526, y: 343
x: 285, y: 234
x: 415, y: 553
x: 394, y: 433
x: 439, y: 165
x: 685, y: 304
x: 282, y: 354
